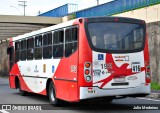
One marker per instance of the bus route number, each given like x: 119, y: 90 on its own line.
x: 136, y: 67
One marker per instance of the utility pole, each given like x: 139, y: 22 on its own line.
x: 39, y: 12
x: 23, y: 4
x: 97, y: 2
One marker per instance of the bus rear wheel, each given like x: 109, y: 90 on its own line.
x: 52, y: 95
x: 108, y: 100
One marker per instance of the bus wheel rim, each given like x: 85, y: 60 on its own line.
x: 52, y: 95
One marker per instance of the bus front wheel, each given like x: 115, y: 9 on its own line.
x: 21, y: 92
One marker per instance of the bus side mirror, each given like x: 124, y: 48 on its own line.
x: 9, y: 50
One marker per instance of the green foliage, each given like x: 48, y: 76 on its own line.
x: 155, y: 86
x: 72, y: 16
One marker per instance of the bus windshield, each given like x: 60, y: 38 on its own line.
x: 116, y: 36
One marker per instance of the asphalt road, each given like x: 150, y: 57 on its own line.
x: 11, y: 96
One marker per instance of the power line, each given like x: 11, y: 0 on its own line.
x: 16, y: 9
x: 23, y: 4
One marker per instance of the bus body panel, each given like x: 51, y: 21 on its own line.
x: 35, y: 73
x: 85, y: 55
x: 33, y: 76
x: 94, y: 92
x: 13, y: 74
x: 122, y: 66
x: 117, y: 68
x: 101, y: 86
x: 65, y: 78
x: 147, y: 59
x: 12, y: 81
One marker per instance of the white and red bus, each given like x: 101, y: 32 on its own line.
x: 99, y: 57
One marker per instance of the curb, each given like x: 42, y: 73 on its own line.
x: 154, y: 95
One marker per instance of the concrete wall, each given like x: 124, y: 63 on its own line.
x: 3, y: 58
x: 151, y: 15
x: 69, y: 17
x: 11, y: 26
x: 153, y: 30
x: 30, y: 19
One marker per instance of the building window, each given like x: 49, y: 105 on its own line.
x: 71, y: 39
x: 58, y: 44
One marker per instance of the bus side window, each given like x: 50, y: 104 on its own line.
x: 71, y: 37
x: 38, y: 47
x: 58, y: 44
x: 47, y: 45
x: 23, y: 50
x: 30, y: 49
x: 17, y: 51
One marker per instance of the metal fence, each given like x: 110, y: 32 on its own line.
x: 61, y: 11
x: 114, y: 7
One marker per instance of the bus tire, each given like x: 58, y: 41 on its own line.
x: 108, y: 100
x: 21, y: 92
x: 52, y: 95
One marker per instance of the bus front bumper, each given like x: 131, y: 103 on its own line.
x: 94, y: 92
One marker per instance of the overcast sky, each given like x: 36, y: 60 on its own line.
x: 12, y: 7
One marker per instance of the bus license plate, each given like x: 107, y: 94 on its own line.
x: 120, y: 79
